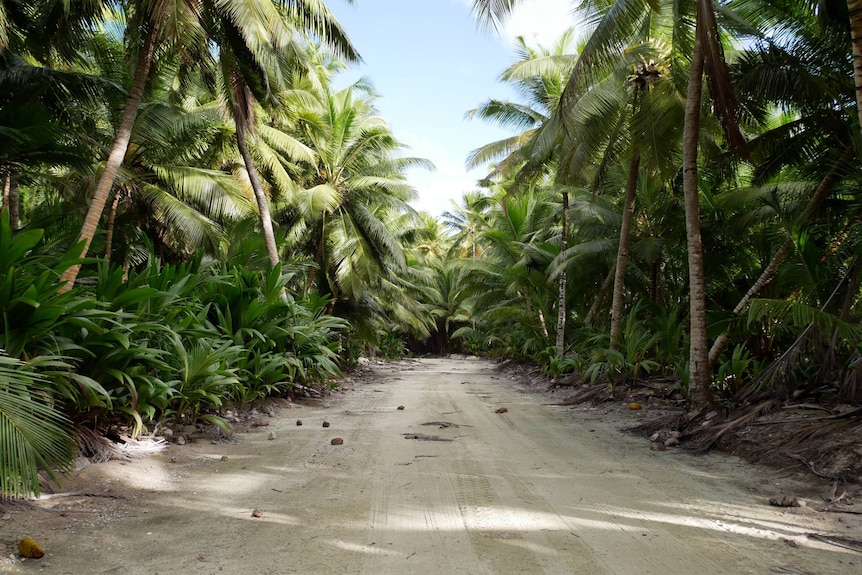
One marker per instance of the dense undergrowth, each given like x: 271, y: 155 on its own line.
x: 160, y: 343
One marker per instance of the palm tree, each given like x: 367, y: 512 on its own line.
x: 250, y: 72
x: 467, y: 221
x: 617, y: 24
x: 173, y: 189
x: 510, y: 280
x: 539, y: 75
x: 802, y: 69
x: 854, y: 8
x: 351, y: 205
x: 185, y: 28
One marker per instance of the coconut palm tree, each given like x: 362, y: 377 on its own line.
x: 254, y: 31
x: 173, y: 189
x: 250, y: 76
x: 801, y: 67
x: 616, y: 24
x: 854, y: 9
x: 467, y: 221
x: 539, y: 75
x: 510, y: 281
x: 351, y: 205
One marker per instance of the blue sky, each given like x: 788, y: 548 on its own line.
x: 431, y: 63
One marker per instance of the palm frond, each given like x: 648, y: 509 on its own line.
x: 33, y: 434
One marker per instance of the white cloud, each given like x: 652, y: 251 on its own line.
x: 539, y: 22
x: 437, y: 190
x: 439, y: 187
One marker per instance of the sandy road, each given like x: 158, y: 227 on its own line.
x: 530, y: 491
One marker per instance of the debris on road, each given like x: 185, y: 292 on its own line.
x: 423, y: 437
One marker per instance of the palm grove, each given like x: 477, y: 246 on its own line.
x: 196, y: 216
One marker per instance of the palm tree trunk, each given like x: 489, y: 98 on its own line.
x: 14, y: 202
x: 600, y: 297
x: 7, y: 185
x: 654, y: 269
x: 826, y: 185
x: 109, y: 231
x: 561, y: 283
x: 118, y: 151
x: 318, y: 262
x: 855, y: 9
x: 262, y: 203
x: 623, y: 253
x: 699, y: 373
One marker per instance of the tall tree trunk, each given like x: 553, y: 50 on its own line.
x: 561, y: 283
x: 826, y: 185
x: 7, y: 185
x: 654, y: 269
x: 855, y: 9
x: 318, y: 260
x: 118, y: 150
x: 623, y: 253
x: 14, y: 202
x: 699, y: 373
x: 262, y: 203
x: 109, y: 232
x: 600, y: 297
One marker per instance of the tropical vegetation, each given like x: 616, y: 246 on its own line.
x: 199, y: 212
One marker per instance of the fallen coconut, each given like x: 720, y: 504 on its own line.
x: 29, y: 549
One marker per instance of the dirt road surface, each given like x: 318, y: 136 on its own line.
x: 445, y: 486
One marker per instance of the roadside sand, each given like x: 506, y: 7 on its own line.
x: 534, y: 490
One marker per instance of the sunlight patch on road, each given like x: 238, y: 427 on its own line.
x: 366, y: 549
x: 154, y: 478
x: 698, y: 520
x: 764, y: 518
x: 492, y: 520
x: 205, y: 506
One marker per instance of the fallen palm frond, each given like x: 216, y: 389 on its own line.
x: 851, y: 388
x: 827, y: 425
x: 824, y: 446
x: 99, y: 449
x: 844, y: 542
x: 596, y: 393
x: 706, y: 438
x: 568, y: 380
